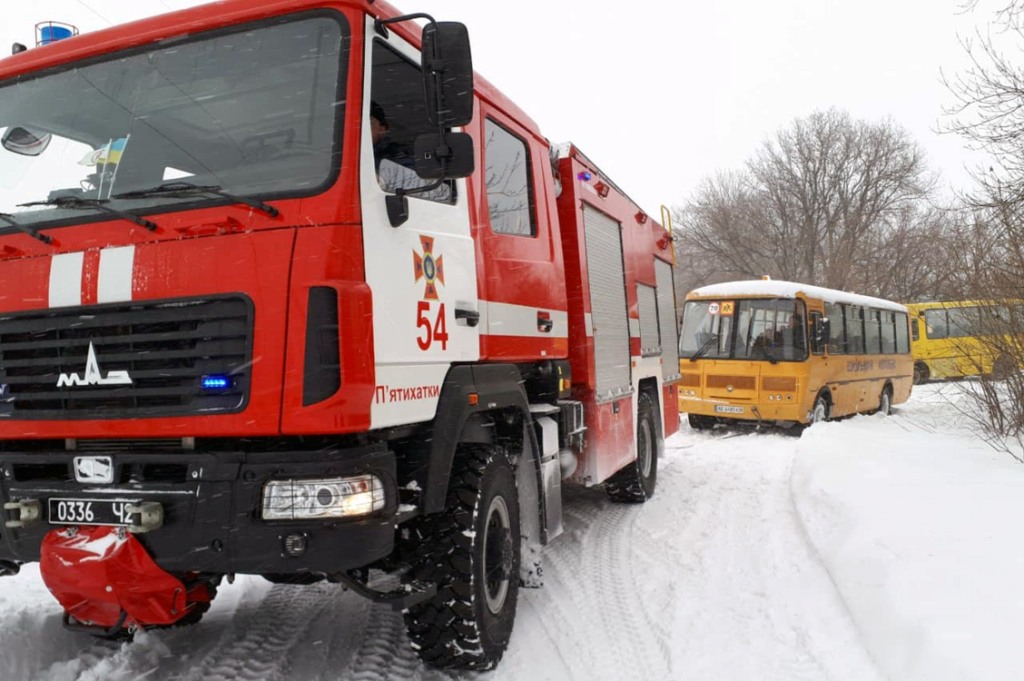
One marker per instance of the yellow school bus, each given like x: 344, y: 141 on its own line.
x: 957, y: 339
x: 767, y: 352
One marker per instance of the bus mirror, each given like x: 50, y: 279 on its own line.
x: 448, y: 74
x: 822, y: 331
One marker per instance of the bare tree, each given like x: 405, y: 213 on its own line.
x: 989, y: 115
x: 818, y: 203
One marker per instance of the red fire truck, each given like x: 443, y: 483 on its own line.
x: 285, y: 290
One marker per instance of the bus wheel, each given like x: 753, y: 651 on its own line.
x: 471, y: 551
x: 885, y: 401
x: 700, y: 422
x: 1002, y: 368
x: 634, y: 484
x: 921, y: 373
x: 820, y: 410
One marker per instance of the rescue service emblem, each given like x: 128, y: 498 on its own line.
x: 428, y: 267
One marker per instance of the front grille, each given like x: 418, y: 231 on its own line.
x: 126, y: 360
x: 737, y: 382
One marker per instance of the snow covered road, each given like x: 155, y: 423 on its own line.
x: 714, y: 578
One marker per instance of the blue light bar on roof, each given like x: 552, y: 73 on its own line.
x: 51, y: 31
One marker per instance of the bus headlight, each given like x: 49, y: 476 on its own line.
x: 330, y: 498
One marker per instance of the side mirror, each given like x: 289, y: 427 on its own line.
x: 25, y: 142
x: 444, y: 157
x: 822, y: 331
x: 447, y: 74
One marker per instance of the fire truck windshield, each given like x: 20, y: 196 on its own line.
x: 253, y: 112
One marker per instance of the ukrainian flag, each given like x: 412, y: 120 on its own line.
x: 110, y: 153
x: 114, y: 150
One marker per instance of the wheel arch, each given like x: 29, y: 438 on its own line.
x: 498, y: 414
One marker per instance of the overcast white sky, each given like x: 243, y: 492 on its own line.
x: 661, y: 94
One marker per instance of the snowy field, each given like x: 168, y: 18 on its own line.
x: 869, y: 549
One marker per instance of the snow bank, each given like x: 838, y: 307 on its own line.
x: 921, y: 534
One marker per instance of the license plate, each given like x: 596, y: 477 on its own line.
x: 726, y: 409
x: 90, y: 511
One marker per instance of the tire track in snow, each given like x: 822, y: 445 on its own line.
x: 262, y: 636
x: 593, y: 567
x: 384, y: 652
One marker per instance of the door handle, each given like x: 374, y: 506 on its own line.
x: 544, y: 322
x: 472, y: 317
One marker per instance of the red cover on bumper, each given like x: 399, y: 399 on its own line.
x: 96, y: 572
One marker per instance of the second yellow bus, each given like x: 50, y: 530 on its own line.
x: 766, y: 352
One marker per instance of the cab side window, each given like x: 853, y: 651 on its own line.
x: 397, y: 116
x: 508, y: 174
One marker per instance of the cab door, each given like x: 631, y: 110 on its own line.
x: 422, y: 274
x: 522, y: 276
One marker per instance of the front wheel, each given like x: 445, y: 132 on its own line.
x: 1002, y: 368
x: 819, y: 412
x: 471, y: 552
x: 635, y: 483
x: 921, y: 373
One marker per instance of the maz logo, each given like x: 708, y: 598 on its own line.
x: 93, y: 375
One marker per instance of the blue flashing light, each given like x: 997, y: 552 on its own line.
x: 51, y: 31
x: 585, y: 176
x: 215, y: 382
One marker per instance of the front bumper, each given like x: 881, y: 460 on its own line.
x: 211, y: 506
x: 785, y: 409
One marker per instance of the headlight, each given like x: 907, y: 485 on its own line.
x: 332, y: 498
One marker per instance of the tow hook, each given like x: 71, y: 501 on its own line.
x: 23, y: 513
x: 146, y: 516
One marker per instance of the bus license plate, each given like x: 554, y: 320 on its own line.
x: 90, y: 511
x: 726, y: 409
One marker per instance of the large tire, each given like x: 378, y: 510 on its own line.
x: 635, y: 483
x: 700, y: 422
x: 471, y: 552
x: 885, y: 401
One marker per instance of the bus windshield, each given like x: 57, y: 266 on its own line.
x: 253, y: 111
x: 771, y: 330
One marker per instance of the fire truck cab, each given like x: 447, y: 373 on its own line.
x: 286, y: 290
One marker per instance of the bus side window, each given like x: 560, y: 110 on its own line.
x: 902, y: 343
x: 836, y: 342
x: 854, y: 329
x: 936, y: 325
x: 888, y: 331
x: 915, y: 328
x: 872, y: 331
x: 819, y: 333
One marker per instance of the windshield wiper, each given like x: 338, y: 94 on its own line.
x: 703, y: 349
x: 35, y: 234
x: 189, y: 189
x: 771, y: 358
x: 78, y: 203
